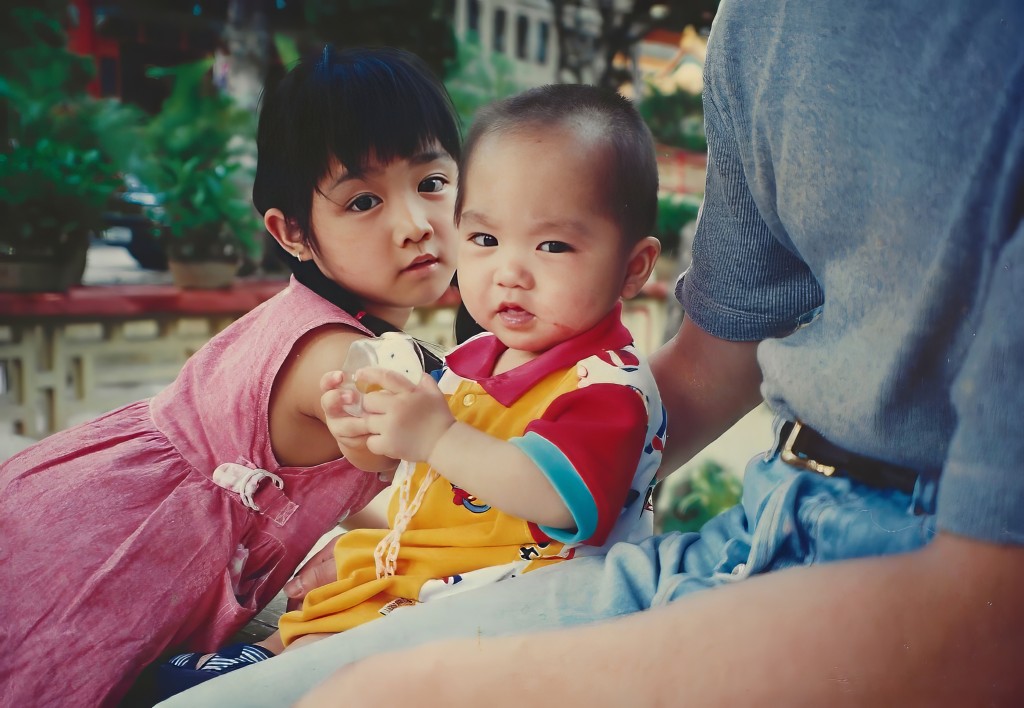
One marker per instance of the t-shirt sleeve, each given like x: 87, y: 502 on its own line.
x: 981, y: 492
x: 588, y: 444
x: 743, y: 284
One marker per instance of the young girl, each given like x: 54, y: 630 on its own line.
x: 176, y: 519
x: 541, y: 439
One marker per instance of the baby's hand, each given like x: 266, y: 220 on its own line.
x: 405, y: 420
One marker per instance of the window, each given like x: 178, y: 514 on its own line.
x: 522, y: 36
x: 499, y: 31
x: 473, y: 16
x: 542, y: 42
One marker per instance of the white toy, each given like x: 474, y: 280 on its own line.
x: 392, y: 350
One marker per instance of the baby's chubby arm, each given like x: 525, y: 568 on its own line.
x: 412, y: 422
x: 350, y: 432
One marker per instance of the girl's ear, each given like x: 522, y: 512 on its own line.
x: 286, y: 233
x: 639, y: 265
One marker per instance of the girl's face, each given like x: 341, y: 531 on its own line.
x: 540, y: 260
x: 387, y: 233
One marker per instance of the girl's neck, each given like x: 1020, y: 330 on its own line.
x: 396, y: 316
x: 376, y: 318
x: 307, y: 273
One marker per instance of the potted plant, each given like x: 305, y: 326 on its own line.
x: 708, y: 490
x: 56, y: 171
x: 51, y: 197
x: 195, y: 154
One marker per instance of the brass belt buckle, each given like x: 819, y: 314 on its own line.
x: 793, y: 458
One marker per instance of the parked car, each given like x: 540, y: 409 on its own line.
x: 129, y: 222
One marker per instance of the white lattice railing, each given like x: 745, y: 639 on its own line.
x: 67, y: 358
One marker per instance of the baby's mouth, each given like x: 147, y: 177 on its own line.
x: 514, y: 315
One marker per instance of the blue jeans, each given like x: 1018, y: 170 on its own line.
x: 787, y: 517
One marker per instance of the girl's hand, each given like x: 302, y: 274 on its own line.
x: 405, y: 420
x: 318, y: 570
x: 350, y: 431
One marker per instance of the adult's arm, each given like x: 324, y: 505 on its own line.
x: 706, y: 384
x: 945, y: 627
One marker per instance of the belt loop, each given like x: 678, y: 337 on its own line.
x: 778, y: 437
x: 926, y: 492
x: 244, y: 480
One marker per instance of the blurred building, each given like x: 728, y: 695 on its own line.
x: 522, y: 30
x: 125, y: 37
x: 672, y: 61
x: 526, y: 32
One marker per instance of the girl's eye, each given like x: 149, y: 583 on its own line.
x: 364, y: 202
x: 433, y: 184
x: 485, y: 240
x: 554, y: 247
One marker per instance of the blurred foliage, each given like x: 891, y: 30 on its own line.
x: 51, y: 197
x: 287, y: 49
x: 31, y: 34
x: 475, y: 78
x: 709, y: 490
x: 675, y: 118
x: 192, y: 155
x: 61, y: 147
x: 675, y: 211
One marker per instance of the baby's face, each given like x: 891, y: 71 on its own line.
x: 539, y: 260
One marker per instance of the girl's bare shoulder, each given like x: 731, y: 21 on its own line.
x: 313, y: 355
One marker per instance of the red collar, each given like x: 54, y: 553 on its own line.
x: 475, y: 359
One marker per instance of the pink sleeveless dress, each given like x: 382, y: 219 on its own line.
x: 128, y: 537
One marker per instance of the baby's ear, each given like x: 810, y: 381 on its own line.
x: 639, y: 265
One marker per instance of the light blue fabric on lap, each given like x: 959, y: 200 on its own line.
x: 799, y: 517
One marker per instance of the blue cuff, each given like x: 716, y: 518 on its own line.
x: 567, y: 482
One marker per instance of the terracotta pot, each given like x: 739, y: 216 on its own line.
x: 35, y: 274
x: 202, y: 274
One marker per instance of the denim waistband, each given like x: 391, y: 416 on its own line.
x: 925, y: 488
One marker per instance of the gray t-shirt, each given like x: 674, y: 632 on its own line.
x: 863, y: 216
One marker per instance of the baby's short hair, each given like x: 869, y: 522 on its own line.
x: 630, y: 170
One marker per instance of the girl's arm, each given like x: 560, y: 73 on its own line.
x: 303, y: 432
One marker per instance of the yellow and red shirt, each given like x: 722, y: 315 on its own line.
x: 587, y: 413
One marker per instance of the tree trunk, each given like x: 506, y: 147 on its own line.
x: 619, y: 28
x: 244, y: 54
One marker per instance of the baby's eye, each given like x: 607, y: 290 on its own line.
x: 364, y: 202
x: 554, y: 247
x: 485, y: 240
x: 433, y: 184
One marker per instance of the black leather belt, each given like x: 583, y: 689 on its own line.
x: 803, y: 447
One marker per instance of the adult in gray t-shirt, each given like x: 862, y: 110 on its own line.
x: 874, y: 195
